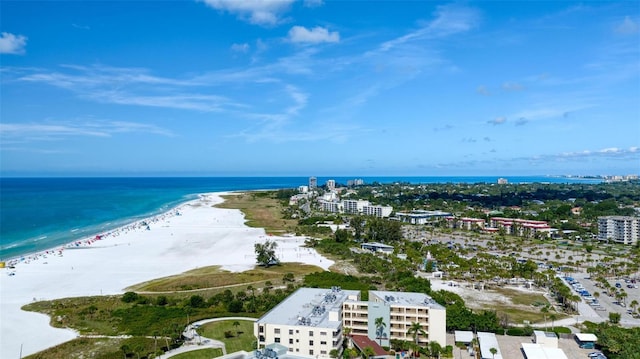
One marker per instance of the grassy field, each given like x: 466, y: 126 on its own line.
x: 98, y: 348
x: 200, y: 354
x: 261, y: 210
x: 242, y: 335
x: 214, y: 277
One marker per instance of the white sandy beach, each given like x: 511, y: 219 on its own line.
x: 200, y: 236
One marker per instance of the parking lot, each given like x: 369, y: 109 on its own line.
x: 609, y: 303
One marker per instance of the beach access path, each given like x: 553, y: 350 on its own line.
x: 200, y: 235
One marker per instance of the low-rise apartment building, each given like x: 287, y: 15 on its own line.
x: 310, y: 321
x: 398, y: 310
x: 420, y: 216
x: 620, y: 229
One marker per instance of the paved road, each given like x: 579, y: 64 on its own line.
x: 197, y: 342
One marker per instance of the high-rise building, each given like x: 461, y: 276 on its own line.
x: 621, y: 229
x: 313, y: 183
x: 331, y: 185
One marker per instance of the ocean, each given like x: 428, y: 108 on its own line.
x: 42, y: 213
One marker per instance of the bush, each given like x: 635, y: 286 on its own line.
x: 516, y: 332
x: 130, y: 297
x: 228, y: 334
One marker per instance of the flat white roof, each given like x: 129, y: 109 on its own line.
x: 406, y: 299
x: 540, y: 333
x: 488, y: 341
x: 309, y: 307
x: 537, y: 351
x: 586, y: 337
x: 463, y: 336
x: 376, y: 245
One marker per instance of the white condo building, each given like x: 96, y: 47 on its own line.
x: 621, y: 229
x: 398, y: 310
x: 331, y: 185
x: 310, y: 321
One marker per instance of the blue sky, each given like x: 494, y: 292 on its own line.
x: 328, y: 88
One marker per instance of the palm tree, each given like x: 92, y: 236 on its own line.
x: 633, y: 304
x: 493, y: 351
x: 553, y: 317
x: 236, y: 324
x: 380, y: 325
x: 544, y: 312
x: 416, y: 329
x: 435, y: 349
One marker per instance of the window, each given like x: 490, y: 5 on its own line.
x: 290, y: 331
x: 310, y: 351
x: 310, y: 333
x: 276, y: 331
x: 323, y: 333
x: 277, y: 340
x: 323, y: 343
x: 323, y: 352
x: 310, y: 342
x: 261, y: 329
x: 290, y: 340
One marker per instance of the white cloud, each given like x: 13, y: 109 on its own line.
x: 52, y: 130
x: 244, y: 48
x: 627, y: 27
x: 12, y: 44
x: 313, y: 3
x: 512, y: 86
x: 300, y: 34
x: 453, y: 18
x: 497, y: 121
x: 258, y: 12
x: 483, y: 90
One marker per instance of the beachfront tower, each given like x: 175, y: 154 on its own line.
x: 313, y: 183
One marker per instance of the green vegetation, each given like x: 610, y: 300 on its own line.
x: 263, y: 210
x: 235, y: 337
x: 200, y: 354
x: 100, y: 348
x: 616, y: 342
x: 213, y: 277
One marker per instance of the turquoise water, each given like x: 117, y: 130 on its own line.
x: 42, y: 213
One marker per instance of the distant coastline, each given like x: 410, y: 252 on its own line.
x: 43, y: 213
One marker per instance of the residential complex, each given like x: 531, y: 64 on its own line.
x: 621, y: 229
x: 421, y: 216
x: 354, y: 207
x: 398, y: 310
x: 310, y: 321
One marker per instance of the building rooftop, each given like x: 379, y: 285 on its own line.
x: 586, y: 337
x: 537, y: 351
x: 309, y: 307
x: 363, y: 341
x: 488, y: 341
x: 406, y: 299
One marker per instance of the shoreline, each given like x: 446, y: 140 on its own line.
x: 201, y: 235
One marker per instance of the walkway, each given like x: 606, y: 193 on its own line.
x: 196, y: 342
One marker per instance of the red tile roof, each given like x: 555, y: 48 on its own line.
x: 363, y: 341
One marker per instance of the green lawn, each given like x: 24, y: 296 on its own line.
x: 242, y: 338
x: 200, y: 354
